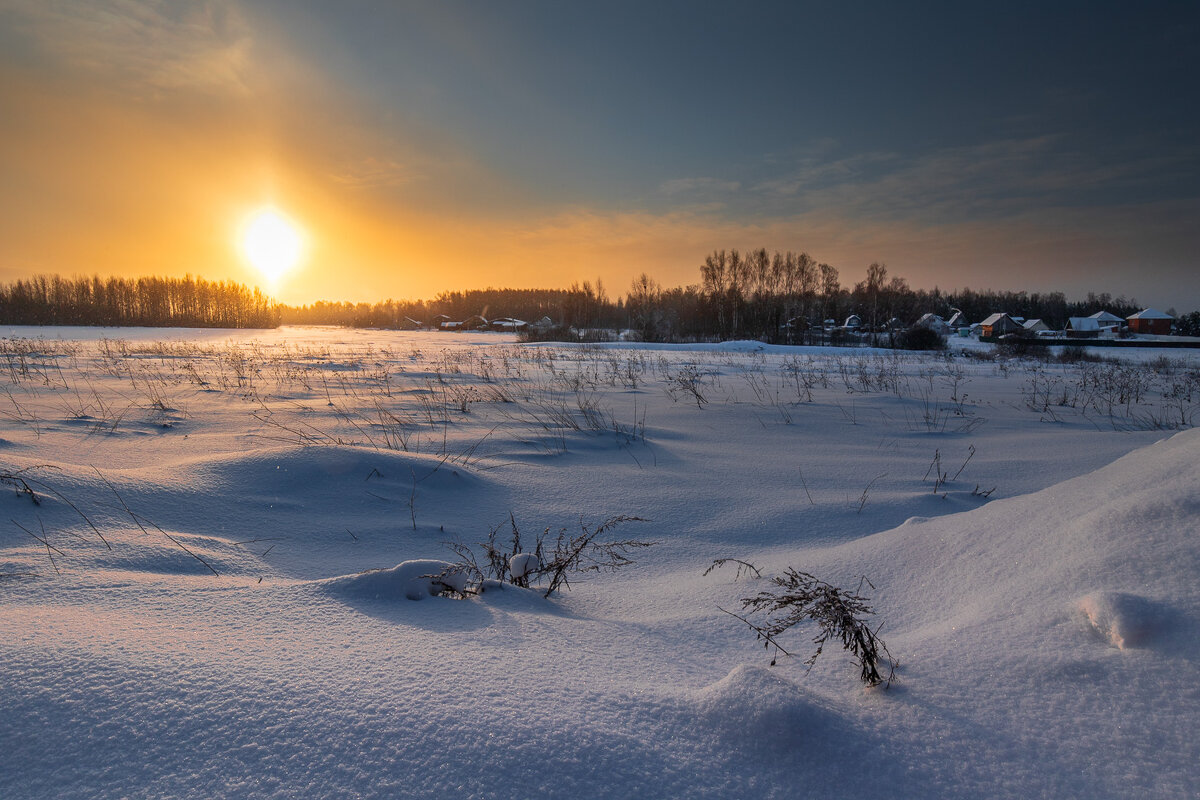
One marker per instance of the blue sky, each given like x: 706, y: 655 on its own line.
x: 1036, y: 146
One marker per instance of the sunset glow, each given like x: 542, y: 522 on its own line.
x: 272, y: 243
x: 448, y: 146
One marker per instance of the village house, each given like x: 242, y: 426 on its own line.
x: 1108, y: 320
x: 1035, y: 326
x: 934, y: 323
x: 1083, y: 327
x: 508, y: 324
x: 1151, y: 321
x: 998, y: 325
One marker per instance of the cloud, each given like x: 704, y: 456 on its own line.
x: 142, y: 47
x: 706, y: 186
x: 987, y: 181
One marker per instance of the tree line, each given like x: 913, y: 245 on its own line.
x: 151, y: 302
x: 755, y: 294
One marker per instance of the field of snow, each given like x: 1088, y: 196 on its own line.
x: 199, y: 528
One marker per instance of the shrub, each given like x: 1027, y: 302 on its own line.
x: 919, y: 339
x: 554, y: 558
x: 1078, y: 354
x: 839, y: 614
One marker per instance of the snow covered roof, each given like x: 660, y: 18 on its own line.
x: 1150, y: 313
x: 509, y: 323
x: 994, y: 318
x: 1105, y: 316
x: 1083, y: 324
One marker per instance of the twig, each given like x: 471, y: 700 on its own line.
x: 138, y: 521
x: 744, y: 567
x: 970, y: 455
x: 45, y: 540
x: 804, y: 483
x: 863, y: 500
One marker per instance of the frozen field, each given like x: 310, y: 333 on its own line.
x: 189, y: 516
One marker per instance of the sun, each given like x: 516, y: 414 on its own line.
x: 271, y: 242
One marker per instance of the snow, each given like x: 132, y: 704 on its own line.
x: 524, y: 565
x: 415, y: 579
x: 1150, y: 313
x: 1047, y: 630
x: 1123, y: 620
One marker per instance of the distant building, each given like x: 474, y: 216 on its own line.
x: 508, y: 324
x: 854, y: 321
x: 934, y: 323
x: 1107, y: 320
x: 475, y: 323
x: 1035, y: 326
x: 1151, y: 321
x: 997, y: 325
x: 1083, y: 327
x: 958, y: 320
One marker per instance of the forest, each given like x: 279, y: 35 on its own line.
x: 187, y: 302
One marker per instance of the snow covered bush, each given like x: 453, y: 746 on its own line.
x: 413, y: 580
x: 839, y: 614
x: 523, y: 565
x: 554, y: 558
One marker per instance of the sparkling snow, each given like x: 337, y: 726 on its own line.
x: 269, y: 501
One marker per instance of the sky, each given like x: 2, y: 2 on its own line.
x: 422, y: 147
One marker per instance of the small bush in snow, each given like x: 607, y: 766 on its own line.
x: 919, y: 339
x: 839, y: 614
x: 554, y: 558
x: 687, y: 382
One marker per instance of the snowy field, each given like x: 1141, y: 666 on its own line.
x: 198, y: 528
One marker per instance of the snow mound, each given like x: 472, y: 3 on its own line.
x: 1123, y: 620
x: 413, y: 580
x: 754, y: 701
x: 1016, y: 564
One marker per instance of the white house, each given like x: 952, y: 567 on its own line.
x: 1083, y: 327
x: 934, y: 323
x: 1035, y: 326
x: 1107, y: 319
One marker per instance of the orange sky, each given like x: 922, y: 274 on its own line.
x: 138, y: 136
